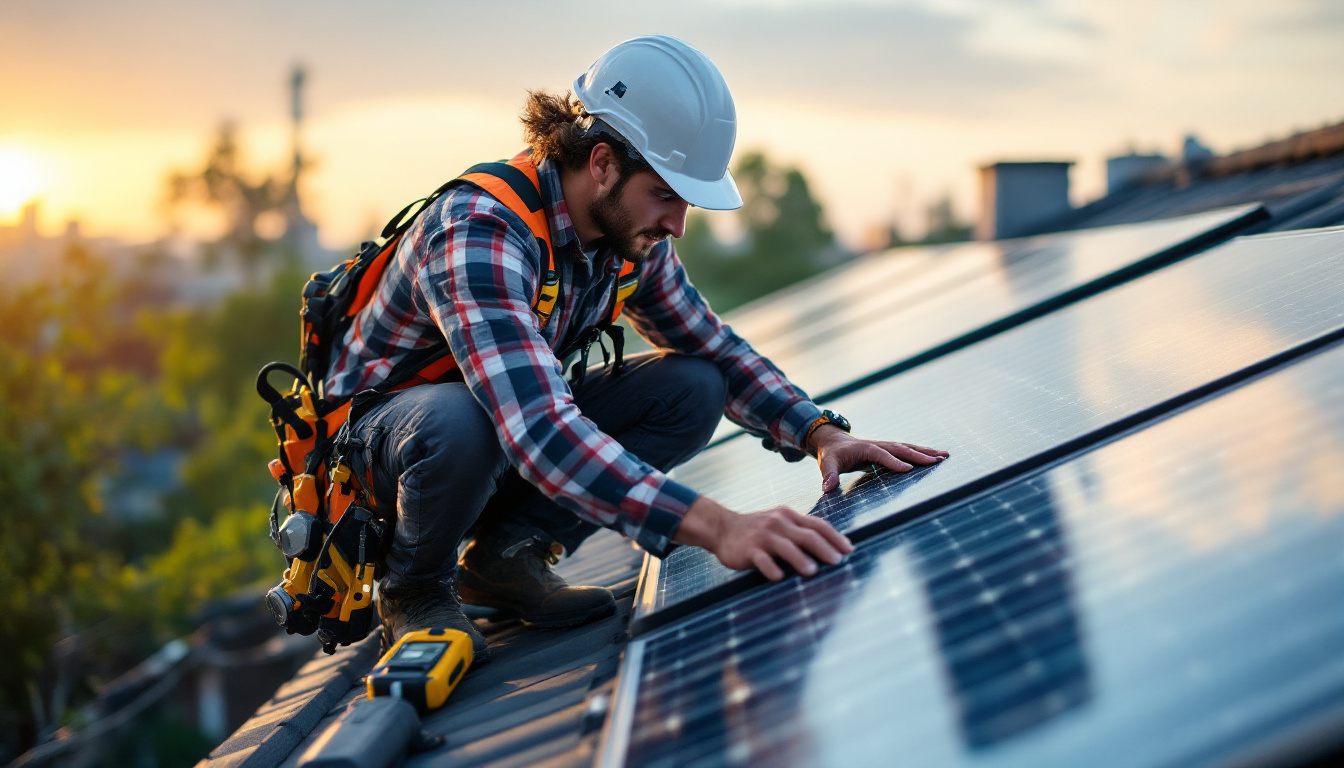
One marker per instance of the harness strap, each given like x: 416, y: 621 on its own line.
x: 627, y: 282
x: 584, y: 344
x: 517, y: 185
x: 392, y: 232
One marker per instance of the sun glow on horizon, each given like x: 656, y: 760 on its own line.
x: 20, y: 179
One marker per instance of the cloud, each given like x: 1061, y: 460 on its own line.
x: 162, y: 61
x: 865, y: 57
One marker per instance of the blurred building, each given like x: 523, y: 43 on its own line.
x: 1298, y: 179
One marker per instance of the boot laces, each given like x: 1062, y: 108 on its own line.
x: 537, y: 555
x: 550, y: 552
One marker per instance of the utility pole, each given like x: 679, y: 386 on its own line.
x: 296, y: 102
x: 299, y: 231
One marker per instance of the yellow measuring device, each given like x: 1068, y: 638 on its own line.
x: 423, y: 667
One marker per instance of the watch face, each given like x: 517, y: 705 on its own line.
x: 836, y: 419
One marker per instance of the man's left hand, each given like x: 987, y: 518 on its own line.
x: 837, y: 451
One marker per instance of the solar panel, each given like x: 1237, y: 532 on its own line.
x: 1169, y: 598
x: 823, y: 296
x: 875, y: 321
x: 1034, y: 392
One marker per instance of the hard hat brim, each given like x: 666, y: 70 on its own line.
x: 721, y: 195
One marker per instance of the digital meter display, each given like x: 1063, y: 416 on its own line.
x: 419, y: 654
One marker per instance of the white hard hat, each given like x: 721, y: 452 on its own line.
x: 670, y: 103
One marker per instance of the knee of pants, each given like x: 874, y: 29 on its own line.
x: 456, y: 438
x: 438, y: 432
x: 704, y: 393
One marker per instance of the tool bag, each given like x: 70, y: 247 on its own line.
x: 332, y: 540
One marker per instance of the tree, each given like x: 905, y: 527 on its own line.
x: 785, y: 237
x: 222, y: 183
x: 84, y: 377
x: 68, y: 403
x: 943, y: 225
x: 211, y: 362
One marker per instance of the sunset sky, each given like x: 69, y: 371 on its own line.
x: 885, y: 105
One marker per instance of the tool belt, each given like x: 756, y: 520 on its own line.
x: 332, y: 541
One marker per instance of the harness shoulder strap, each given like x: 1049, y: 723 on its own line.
x: 517, y: 186
x: 627, y: 282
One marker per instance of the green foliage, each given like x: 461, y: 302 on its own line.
x: 785, y: 237
x: 67, y: 404
x: 212, y: 361
x: 208, y: 561
x: 85, y: 376
x: 92, y: 372
x: 224, y: 346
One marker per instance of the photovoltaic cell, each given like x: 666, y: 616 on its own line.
x: 1170, y: 598
x: 1031, y: 390
x: 873, y: 315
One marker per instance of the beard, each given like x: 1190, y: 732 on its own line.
x: 618, y: 227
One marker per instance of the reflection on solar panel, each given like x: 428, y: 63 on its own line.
x: 828, y: 294
x: 1038, y: 389
x: 873, y: 318
x: 1170, y: 598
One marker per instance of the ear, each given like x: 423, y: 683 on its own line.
x: 602, y: 166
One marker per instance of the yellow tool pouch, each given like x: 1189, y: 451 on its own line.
x: 331, y: 541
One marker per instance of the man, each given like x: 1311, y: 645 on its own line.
x: 511, y: 454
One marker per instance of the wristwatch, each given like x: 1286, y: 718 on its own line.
x: 827, y: 417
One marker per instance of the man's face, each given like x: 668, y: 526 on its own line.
x: 638, y: 213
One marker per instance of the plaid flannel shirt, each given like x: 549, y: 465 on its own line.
x: 468, y: 270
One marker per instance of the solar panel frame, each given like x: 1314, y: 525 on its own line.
x: 616, y: 738
x: 651, y: 612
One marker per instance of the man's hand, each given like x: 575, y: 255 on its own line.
x: 761, y: 540
x: 837, y: 451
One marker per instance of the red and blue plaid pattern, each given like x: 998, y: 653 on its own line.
x: 468, y: 270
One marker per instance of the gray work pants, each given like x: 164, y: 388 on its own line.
x: 434, y: 453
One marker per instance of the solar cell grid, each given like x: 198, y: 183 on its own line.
x: 1037, y: 387
x: 1170, y: 598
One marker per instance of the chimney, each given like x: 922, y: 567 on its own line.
x: 1019, y: 198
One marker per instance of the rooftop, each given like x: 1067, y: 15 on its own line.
x: 1131, y: 558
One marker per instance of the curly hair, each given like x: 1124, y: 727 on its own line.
x: 557, y: 127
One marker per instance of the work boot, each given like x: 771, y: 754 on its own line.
x: 407, y: 609
x: 513, y: 574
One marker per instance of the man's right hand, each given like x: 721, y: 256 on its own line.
x: 762, y: 540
